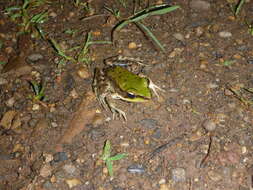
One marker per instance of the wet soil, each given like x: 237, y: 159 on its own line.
x: 196, y: 136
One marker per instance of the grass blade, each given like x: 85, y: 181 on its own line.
x: 155, y: 10
x: 150, y: 34
x: 238, y: 7
x: 117, y: 157
x: 109, y: 167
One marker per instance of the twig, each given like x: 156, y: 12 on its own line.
x: 165, y: 146
x: 208, y: 152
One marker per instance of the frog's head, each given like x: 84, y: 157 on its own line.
x: 140, y: 92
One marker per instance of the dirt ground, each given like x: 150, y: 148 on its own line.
x: 196, y: 136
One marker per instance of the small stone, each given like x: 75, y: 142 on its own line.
x: 244, y: 149
x: 97, y: 120
x: 157, y: 134
x: 136, y: 168
x: 54, y: 124
x: 200, y: 5
x: 73, y: 182
x: 36, y: 107
x: 48, y: 157
x: 60, y: 156
x: 83, y: 73
x: 162, y: 181
x: 7, y: 119
x: 124, y: 144
x: 132, y: 45
x: 35, y: 57
x: 3, y: 81
x: 74, y: 94
x: 179, y: 36
x: 212, y: 85
x: 228, y: 92
x: 199, y: 31
x: 53, y: 14
x: 53, y: 179
x: 225, y: 34
x: 96, y: 133
x: 46, y: 170
x: 214, y: 176
x: 69, y: 168
x: 10, y: 102
x: 178, y: 174
x: 209, y: 125
x: 250, y: 61
x: 149, y: 123
x: 164, y: 187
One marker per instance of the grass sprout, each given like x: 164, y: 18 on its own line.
x: 237, y: 8
x: 38, y: 90
x: 113, y: 11
x: 227, y: 63
x: 59, y: 50
x: 250, y: 27
x: 23, y: 12
x: 108, y: 159
x: 82, y: 56
x: 139, y: 16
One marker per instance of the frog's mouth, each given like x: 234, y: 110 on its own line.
x: 135, y: 98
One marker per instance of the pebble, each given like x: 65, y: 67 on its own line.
x: 136, y: 168
x: 3, y: 81
x: 46, y: 170
x: 36, y: 107
x: 74, y: 94
x: 250, y: 61
x: 96, y: 133
x: 200, y: 5
x: 179, y: 36
x: 149, y: 123
x: 214, y: 176
x: 212, y: 85
x: 48, y: 185
x: 164, y: 187
x: 73, y: 182
x: 162, y: 181
x: 244, y: 149
x: 178, y: 174
x: 157, y: 134
x: 83, y: 73
x: 7, y: 119
x: 209, y: 125
x: 48, y: 157
x: 225, y: 34
x: 53, y: 14
x: 10, y: 102
x: 35, y: 57
x: 69, y: 168
x: 60, y: 156
x: 132, y: 45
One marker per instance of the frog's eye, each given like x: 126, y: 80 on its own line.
x: 130, y: 95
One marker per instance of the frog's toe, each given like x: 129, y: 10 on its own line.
x: 117, y: 111
x: 154, y: 88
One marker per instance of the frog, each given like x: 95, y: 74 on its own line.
x: 121, y: 78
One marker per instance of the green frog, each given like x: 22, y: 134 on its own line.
x: 121, y: 78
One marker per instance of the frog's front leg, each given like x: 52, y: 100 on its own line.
x: 154, y: 88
